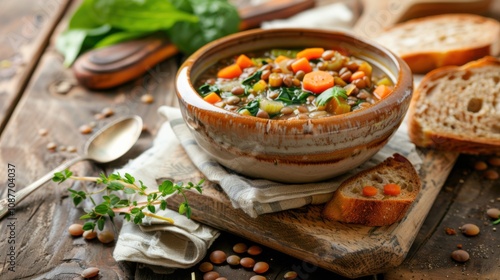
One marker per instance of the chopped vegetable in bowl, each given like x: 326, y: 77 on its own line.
x: 288, y: 84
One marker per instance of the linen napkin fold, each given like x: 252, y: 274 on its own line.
x: 258, y: 196
x: 158, y: 244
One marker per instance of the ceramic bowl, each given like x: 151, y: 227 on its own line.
x: 292, y: 151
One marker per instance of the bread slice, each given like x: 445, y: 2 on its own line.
x: 451, y: 39
x: 349, y: 205
x: 458, y: 108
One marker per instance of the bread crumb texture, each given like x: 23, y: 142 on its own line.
x: 462, y: 102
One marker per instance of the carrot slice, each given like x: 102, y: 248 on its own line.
x: 230, y: 72
x: 212, y: 98
x: 311, y: 53
x: 381, y: 91
x: 280, y: 58
x: 392, y: 189
x: 369, y: 191
x: 357, y: 75
x: 244, y: 61
x: 317, y: 81
x: 301, y: 64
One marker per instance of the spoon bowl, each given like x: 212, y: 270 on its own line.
x: 106, y: 145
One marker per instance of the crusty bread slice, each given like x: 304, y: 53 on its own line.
x: 435, y: 41
x: 348, y: 205
x: 458, y: 108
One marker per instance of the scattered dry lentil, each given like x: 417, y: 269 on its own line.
x: 218, y: 257
x: 491, y: 174
x: 211, y: 275
x: 493, y: 213
x: 75, y: 229
x: 107, y: 112
x: 495, y: 161
x: 254, y: 250
x: 258, y: 277
x: 71, y: 149
x: 89, y: 234
x: 240, y: 248
x: 90, y: 272
x: 290, y: 275
x: 233, y: 260
x: 480, y: 165
x: 43, y: 132
x: 51, y: 146
x: 470, y: 229
x: 106, y: 236
x: 247, y: 262
x: 460, y: 255
x: 261, y: 267
x: 206, y: 267
x: 85, y: 129
x: 147, y: 98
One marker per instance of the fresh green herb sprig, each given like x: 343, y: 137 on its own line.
x: 113, y: 204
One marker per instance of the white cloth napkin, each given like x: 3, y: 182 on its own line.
x: 158, y: 244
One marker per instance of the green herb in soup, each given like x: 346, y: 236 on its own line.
x: 288, y: 84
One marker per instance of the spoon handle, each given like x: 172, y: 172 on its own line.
x: 6, y: 206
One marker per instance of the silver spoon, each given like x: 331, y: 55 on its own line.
x: 108, y: 144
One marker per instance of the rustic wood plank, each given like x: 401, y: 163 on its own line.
x: 25, y: 27
x: 466, y: 197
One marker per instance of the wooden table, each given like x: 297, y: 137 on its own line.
x: 37, y: 92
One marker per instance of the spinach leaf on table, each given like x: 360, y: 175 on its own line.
x: 189, y: 24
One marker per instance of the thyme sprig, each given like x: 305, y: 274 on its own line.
x: 115, y: 186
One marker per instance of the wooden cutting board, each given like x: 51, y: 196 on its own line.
x: 349, y: 250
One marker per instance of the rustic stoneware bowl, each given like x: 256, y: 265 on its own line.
x: 292, y: 151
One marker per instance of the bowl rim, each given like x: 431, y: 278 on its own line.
x: 403, y: 77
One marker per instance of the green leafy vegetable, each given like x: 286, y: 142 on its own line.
x: 131, y: 210
x: 188, y: 24
x: 292, y: 95
x: 327, y: 95
x: 252, y: 107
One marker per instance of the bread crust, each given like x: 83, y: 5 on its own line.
x: 357, y: 209
x: 427, y: 137
x: 422, y: 57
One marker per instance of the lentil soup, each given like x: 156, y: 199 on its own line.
x: 293, y: 83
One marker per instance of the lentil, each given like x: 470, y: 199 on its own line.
x: 90, y: 272
x: 261, y: 267
x: 43, y: 132
x: 233, y: 260
x: 460, y: 255
x: 218, y: 257
x: 211, y: 275
x: 240, y: 248
x: 247, y: 262
x: 493, y: 213
x: 495, y: 161
x: 290, y: 275
x: 51, y: 146
x: 254, y: 250
x: 147, y: 98
x: 106, y: 236
x: 258, y: 277
x: 491, y: 174
x: 470, y: 229
x: 85, y: 129
x: 75, y: 230
x: 480, y: 166
x: 89, y: 234
x: 206, y: 267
